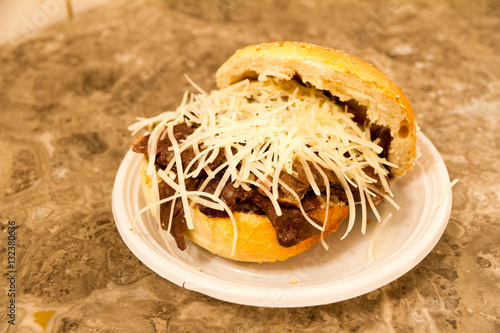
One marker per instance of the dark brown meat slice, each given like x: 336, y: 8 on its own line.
x: 318, y: 178
x: 312, y: 201
x: 189, y: 154
x: 340, y: 193
x: 178, y: 221
x: 232, y: 196
x: 163, y: 152
x: 300, y: 184
x: 384, y: 134
x: 178, y: 224
x: 140, y: 145
x: 285, y: 197
x: 376, y: 131
x: 291, y: 227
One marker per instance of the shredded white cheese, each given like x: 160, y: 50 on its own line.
x: 445, y: 192
x: 263, y: 127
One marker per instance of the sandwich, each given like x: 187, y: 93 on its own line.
x: 273, y: 161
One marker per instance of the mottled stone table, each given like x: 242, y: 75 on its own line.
x: 68, y: 94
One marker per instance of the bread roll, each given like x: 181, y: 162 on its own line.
x: 343, y: 77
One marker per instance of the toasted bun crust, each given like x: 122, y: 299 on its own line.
x: 344, y: 76
x: 257, y: 240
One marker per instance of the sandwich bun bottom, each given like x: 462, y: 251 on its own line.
x: 256, y: 236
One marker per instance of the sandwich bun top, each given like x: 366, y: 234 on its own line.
x: 343, y: 76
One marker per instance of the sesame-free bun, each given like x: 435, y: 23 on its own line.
x: 257, y: 240
x: 343, y: 76
x: 346, y: 79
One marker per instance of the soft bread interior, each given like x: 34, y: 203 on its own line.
x: 343, y: 76
x: 256, y: 241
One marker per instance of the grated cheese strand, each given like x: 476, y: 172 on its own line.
x: 445, y: 192
x: 182, y: 186
x: 289, y: 189
x: 327, y: 211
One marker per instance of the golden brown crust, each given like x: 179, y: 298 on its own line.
x: 344, y: 76
x: 257, y: 240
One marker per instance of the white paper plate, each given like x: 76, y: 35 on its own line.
x: 317, y: 276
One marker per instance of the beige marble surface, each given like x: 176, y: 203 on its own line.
x: 68, y: 94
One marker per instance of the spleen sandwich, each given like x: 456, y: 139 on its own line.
x: 265, y: 167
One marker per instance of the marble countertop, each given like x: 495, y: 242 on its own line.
x: 68, y: 94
